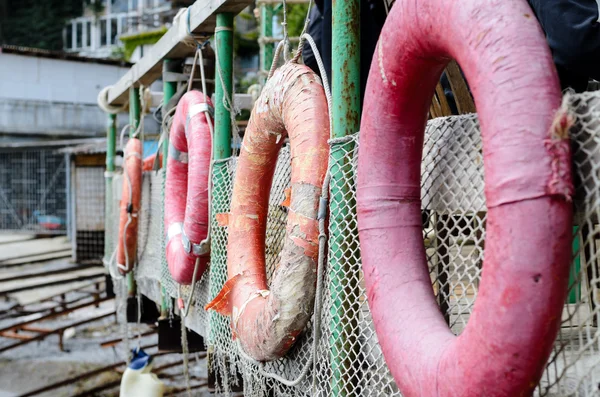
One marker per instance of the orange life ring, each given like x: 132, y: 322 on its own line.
x: 267, y: 320
x: 130, y: 205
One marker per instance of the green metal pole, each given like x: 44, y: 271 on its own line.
x: 224, y: 43
x: 219, y: 325
x: 266, y: 30
x: 344, y: 290
x: 574, y: 281
x: 111, y: 139
x: 169, y: 90
x: 134, y: 121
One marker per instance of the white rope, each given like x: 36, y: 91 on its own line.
x: 275, y: 59
x: 103, y: 104
x: 304, y: 29
x: 324, y: 78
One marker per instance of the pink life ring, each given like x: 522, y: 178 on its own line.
x: 509, y: 337
x: 186, y: 187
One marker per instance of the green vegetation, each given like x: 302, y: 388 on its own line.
x: 131, y: 42
x: 39, y: 23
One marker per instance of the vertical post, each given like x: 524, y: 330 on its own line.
x: 134, y: 121
x: 111, y: 148
x: 68, y: 182
x: 220, y: 200
x: 344, y: 291
x: 169, y: 89
x: 224, y: 70
x: 266, y: 31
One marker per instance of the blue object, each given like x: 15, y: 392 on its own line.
x: 140, y: 359
x: 150, y: 148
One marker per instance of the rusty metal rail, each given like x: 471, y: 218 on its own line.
x: 51, y: 283
x: 59, y: 300
x: 43, y: 333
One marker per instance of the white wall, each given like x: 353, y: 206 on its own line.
x: 55, y: 80
x: 55, y: 97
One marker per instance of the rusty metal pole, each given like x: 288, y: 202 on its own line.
x: 344, y: 291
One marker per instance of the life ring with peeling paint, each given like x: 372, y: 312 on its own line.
x: 131, y: 196
x: 509, y: 336
x: 267, y: 321
x: 186, y: 187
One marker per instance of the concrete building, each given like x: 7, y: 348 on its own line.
x: 97, y: 34
x: 47, y: 104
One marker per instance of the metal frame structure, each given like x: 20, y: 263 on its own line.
x: 208, y: 17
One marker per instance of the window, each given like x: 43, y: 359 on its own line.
x: 79, y: 35
x: 68, y: 37
x: 113, y: 30
x: 103, y: 32
x: 88, y: 38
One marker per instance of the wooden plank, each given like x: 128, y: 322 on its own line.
x: 90, y: 160
x: 175, y: 44
x: 462, y: 96
x: 439, y: 90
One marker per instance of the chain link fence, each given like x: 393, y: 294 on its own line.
x: 348, y: 360
x: 33, y: 191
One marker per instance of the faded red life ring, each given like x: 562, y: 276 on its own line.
x: 509, y: 337
x: 267, y: 321
x: 186, y: 197
x: 131, y: 197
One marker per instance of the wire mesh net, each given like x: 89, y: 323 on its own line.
x: 33, y: 191
x: 89, y: 195
x: 348, y: 358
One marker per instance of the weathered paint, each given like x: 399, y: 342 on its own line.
x: 504, y: 55
x: 345, y: 91
x: 267, y: 321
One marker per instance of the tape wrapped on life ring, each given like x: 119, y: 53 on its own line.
x: 186, y: 198
x: 509, y: 337
x: 267, y: 321
x: 131, y: 196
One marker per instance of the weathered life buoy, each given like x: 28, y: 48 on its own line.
x: 131, y: 197
x: 267, y: 321
x: 186, y: 197
x: 501, y: 48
